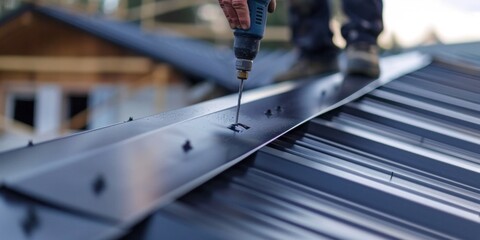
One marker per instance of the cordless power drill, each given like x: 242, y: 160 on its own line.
x: 247, y: 43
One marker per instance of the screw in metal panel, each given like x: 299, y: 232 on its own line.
x: 234, y: 128
x: 279, y: 109
x: 30, y: 222
x: 130, y: 119
x: 99, y: 185
x: 187, y: 146
x: 238, y: 127
x: 268, y: 113
x: 243, y: 126
x: 30, y: 143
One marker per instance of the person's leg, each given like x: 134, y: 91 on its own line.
x: 364, y: 21
x: 309, y: 22
x: 310, y: 25
x: 364, y: 24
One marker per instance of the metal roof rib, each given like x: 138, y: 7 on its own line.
x: 133, y: 171
x: 335, y: 158
x: 403, y: 166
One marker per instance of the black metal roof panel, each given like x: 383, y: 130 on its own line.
x: 402, y: 162
x: 23, y: 218
x: 139, y: 178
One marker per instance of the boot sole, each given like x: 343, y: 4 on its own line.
x: 362, y: 68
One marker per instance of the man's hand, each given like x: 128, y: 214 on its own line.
x: 237, y: 12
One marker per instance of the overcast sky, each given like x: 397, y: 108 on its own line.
x: 411, y: 20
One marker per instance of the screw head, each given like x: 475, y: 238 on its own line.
x: 268, y: 113
x: 99, y: 185
x: 187, y: 146
x: 30, y: 222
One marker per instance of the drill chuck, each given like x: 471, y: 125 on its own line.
x: 246, y: 46
x: 247, y: 42
x: 243, y: 66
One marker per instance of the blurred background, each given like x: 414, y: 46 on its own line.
x: 71, y: 65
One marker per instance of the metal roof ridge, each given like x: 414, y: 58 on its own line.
x: 176, y: 158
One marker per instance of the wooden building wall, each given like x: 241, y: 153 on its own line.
x: 32, y: 35
x: 37, y: 50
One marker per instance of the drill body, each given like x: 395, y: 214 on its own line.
x: 247, y: 42
x: 246, y: 45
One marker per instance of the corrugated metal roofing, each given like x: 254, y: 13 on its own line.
x: 402, y: 162
x: 121, y: 174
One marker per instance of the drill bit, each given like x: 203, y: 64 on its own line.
x: 240, y: 90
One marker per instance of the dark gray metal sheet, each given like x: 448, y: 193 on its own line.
x: 435, y: 97
x: 165, y: 226
x: 437, y: 87
x: 295, y: 218
x: 375, y: 167
x: 457, y: 169
x: 23, y: 219
x: 351, y: 159
x: 20, y: 161
x: 430, y: 128
x: 126, y: 180
x: 370, y: 192
x: 198, y: 58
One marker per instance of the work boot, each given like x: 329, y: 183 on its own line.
x: 363, y: 60
x: 308, y: 67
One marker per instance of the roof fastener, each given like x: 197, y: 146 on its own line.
x: 30, y: 222
x: 268, y: 113
x: 187, y: 146
x: 99, y: 184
